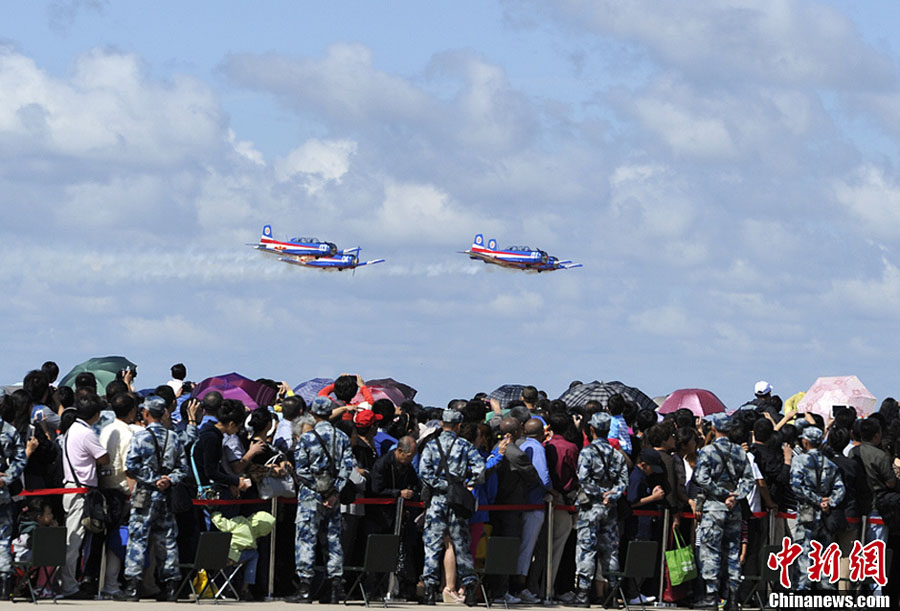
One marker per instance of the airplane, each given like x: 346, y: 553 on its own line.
x: 516, y: 257
x: 299, y: 247
x: 311, y: 252
x: 347, y: 259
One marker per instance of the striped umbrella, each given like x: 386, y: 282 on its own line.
x: 602, y: 391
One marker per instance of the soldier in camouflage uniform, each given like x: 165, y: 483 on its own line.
x: 818, y: 486
x: 156, y: 461
x: 465, y: 463
x: 724, y: 477
x: 323, y: 464
x: 603, y: 476
x: 12, y: 455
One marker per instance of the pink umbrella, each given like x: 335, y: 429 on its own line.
x: 840, y: 390
x: 394, y: 395
x: 700, y: 402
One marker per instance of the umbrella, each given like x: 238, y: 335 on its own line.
x: 104, y: 369
x: 840, y: 390
x: 507, y: 393
x: 791, y: 404
x: 602, y: 391
x: 408, y: 392
x: 230, y: 391
x: 394, y: 395
x: 309, y: 390
x: 253, y: 394
x: 700, y: 402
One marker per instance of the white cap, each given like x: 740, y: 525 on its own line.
x: 762, y: 388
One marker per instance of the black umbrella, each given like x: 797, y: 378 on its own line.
x: 507, y: 393
x: 602, y: 391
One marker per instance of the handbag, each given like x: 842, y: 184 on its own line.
x: 95, y: 516
x: 459, y: 498
x: 204, y: 493
x: 680, y: 562
x: 271, y: 487
x: 348, y: 493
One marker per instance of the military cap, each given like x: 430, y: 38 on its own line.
x: 813, y: 434
x: 155, y: 406
x: 322, y: 406
x: 451, y: 416
x: 721, y: 421
x: 601, y: 420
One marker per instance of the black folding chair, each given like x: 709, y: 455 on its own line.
x: 499, y: 559
x: 48, y: 553
x: 761, y: 582
x: 641, y: 560
x: 382, y: 554
x: 212, y: 557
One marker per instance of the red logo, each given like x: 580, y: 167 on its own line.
x: 784, y: 559
x: 825, y: 563
x: 868, y: 561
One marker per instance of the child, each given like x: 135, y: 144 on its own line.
x: 36, y: 512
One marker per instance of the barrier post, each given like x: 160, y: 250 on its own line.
x: 392, y: 577
x: 272, y: 540
x: 662, y: 554
x: 548, y: 593
x: 863, y: 524
x: 771, y: 535
x: 101, y: 581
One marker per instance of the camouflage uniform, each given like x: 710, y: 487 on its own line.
x: 722, y: 468
x: 312, y: 515
x: 463, y: 461
x: 156, y: 518
x: 13, y: 456
x: 809, y: 491
x: 601, y: 469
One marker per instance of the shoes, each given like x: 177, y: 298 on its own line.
x: 731, y: 602
x: 581, y: 599
x: 528, y: 597
x: 566, y: 598
x: 709, y: 601
x: 337, y: 591
x: 451, y: 596
x: 508, y: 599
x: 428, y: 598
x: 471, y: 597
x: 131, y: 591
x: 302, y: 595
x: 640, y: 599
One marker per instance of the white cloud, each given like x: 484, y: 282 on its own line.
x: 316, y: 162
x: 415, y: 213
x: 526, y: 303
x: 873, y: 198
x: 791, y: 43
x: 872, y: 296
x: 670, y: 321
x: 166, y: 332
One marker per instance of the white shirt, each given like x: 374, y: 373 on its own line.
x: 81, y: 449
x: 754, y: 498
x: 116, y: 437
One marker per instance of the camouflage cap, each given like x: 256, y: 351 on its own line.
x: 721, y: 421
x: 322, y: 406
x: 813, y: 434
x: 155, y: 406
x: 601, y: 420
x: 451, y: 416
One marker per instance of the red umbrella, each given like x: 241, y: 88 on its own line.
x: 407, y: 391
x: 700, y: 402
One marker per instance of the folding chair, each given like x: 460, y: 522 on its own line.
x: 48, y: 551
x: 499, y: 559
x: 760, y: 589
x: 382, y: 554
x: 227, y: 574
x: 641, y: 561
x: 211, y: 556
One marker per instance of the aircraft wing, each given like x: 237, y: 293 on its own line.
x: 372, y: 262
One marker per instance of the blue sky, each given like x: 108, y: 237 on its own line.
x: 727, y: 172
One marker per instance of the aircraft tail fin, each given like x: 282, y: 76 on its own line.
x: 478, y: 241
x: 266, y: 233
